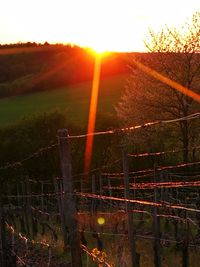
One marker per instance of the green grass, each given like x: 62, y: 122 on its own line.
x: 73, y: 100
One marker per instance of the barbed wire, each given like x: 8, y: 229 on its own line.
x: 121, y: 174
x: 140, y: 202
x: 44, y: 182
x: 146, y: 154
x: 164, y: 240
x: 19, y: 163
x: 97, y: 169
x: 182, y: 174
x: 41, y: 150
x: 45, y: 213
x: 149, y: 175
x: 185, y: 220
x: 174, y: 175
x: 32, y: 195
x: 20, y: 260
x: 33, y: 242
x: 124, y: 212
x: 149, y: 171
x: 156, y: 185
x: 132, y: 128
x: 142, y: 171
x: 133, y: 186
x: 24, y: 238
x: 113, y: 213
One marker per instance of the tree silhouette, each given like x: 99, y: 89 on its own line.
x: 174, y: 54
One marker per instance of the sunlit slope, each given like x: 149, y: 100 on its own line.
x: 74, y: 100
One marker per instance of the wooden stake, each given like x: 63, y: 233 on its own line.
x: 156, y: 224
x: 70, y: 212
x: 58, y: 191
x: 131, y: 230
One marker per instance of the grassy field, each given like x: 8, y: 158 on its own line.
x: 73, y: 100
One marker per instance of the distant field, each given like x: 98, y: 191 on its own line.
x: 73, y: 100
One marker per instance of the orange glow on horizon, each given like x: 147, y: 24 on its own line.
x: 99, y: 51
x: 118, y: 26
x: 92, y: 114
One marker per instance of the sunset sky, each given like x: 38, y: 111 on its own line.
x: 117, y: 25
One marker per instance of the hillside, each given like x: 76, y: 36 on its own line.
x: 25, y: 70
x: 41, y: 78
x: 73, y: 99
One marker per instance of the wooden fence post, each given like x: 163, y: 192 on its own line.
x: 131, y: 230
x: 156, y: 224
x: 58, y: 191
x: 69, y: 202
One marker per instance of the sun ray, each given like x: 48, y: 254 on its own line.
x: 184, y: 90
x: 92, y: 113
x: 44, y: 75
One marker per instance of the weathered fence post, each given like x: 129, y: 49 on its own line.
x: 69, y: 203
x: 156, y: 226
x: 58, y: 191
x: 131, y: 230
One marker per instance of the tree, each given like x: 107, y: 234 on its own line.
x: 175, y: 53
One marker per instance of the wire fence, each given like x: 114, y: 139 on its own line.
x: 39, y: 202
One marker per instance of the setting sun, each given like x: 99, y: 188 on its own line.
x: 102, y: 25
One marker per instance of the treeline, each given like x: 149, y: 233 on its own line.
x: 21, y: 44
x: 30, y: 67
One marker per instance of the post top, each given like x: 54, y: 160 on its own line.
x: 63, y: 133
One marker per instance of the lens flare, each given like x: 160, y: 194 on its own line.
x: 101, y: 220
x: 184, y: 90
x: 92, y: 113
